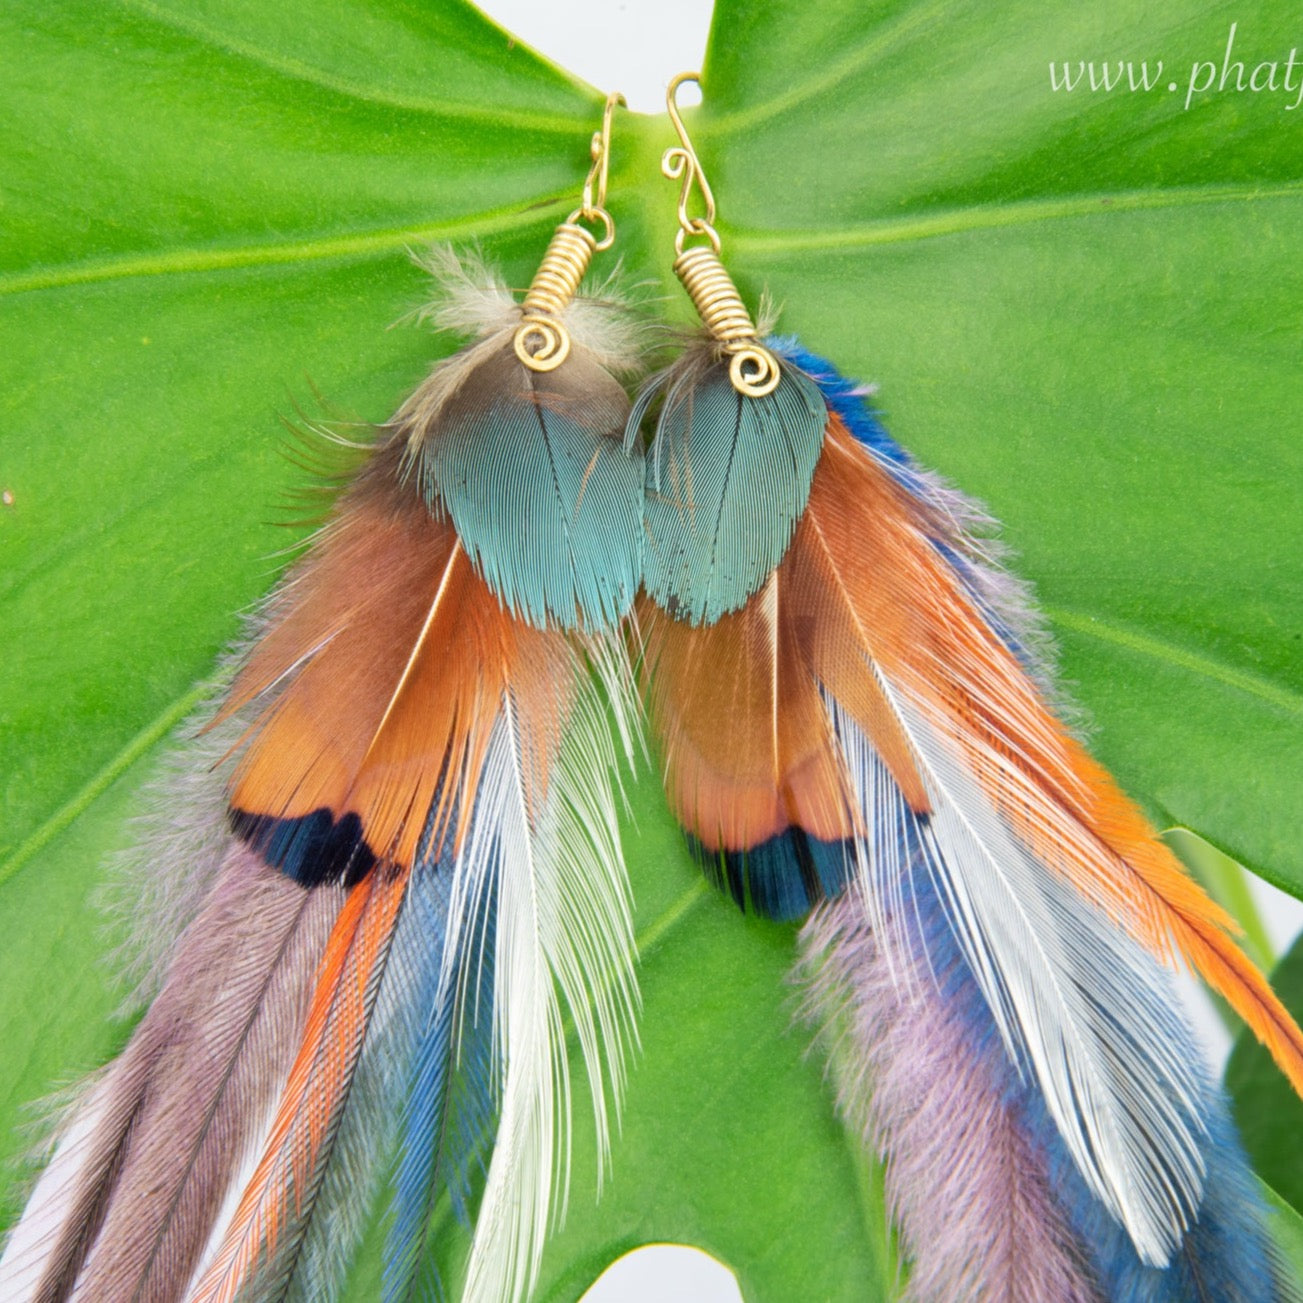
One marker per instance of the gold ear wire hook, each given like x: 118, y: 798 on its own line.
x: 681, y: 163
x: 541, y: 341
x: 753, y: 370
x: 595, y: 210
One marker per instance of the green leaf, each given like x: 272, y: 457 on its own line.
x: 1082, y: 308
x: 1267, y: 1111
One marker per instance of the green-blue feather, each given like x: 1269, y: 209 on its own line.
x: 728, y: 480
x: 546, y: 500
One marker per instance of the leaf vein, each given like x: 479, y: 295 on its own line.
x: 960, y: 221
x: 298, y: 70
x: 357, y: 245
x: 1160, y: 649
x: 102, y: 780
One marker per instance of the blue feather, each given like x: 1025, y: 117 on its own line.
x: 781, y: 878
x: 448, y: 1114
x: 728, y: 480
x: 1007, y: 612
x: 1226, y: 1256
x: 846, y: 398
x: 544, y: 496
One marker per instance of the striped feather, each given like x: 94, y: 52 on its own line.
x: 448, y: 1116
x: 416, y: 762
x: 1076, y: 1003
x: 124, y: 1208
x: 873, y: 711
x: 917, y: 620
x: 989, y: 1203
x: 370, y: 1123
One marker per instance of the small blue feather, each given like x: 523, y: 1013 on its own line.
x: 782, y: 878
x: 728, y: 480
x: 849, y: 401
x: 544, y: 496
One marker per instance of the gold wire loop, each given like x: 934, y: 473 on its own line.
x: 753, y: 370
x: 592, y: 206
x: 600, y: 218
x: 681, y: 164
x: 541, y: 341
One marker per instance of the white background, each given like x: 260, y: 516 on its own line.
x: 636, y: 48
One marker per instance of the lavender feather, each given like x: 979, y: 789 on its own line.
x: 967, y: 1187
x: 988, y: 1201
x: 175, y: 1115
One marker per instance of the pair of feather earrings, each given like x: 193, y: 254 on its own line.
x: 412, y: 877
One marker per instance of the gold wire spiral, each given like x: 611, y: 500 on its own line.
x: 541, y: 341
x: 752, y: 369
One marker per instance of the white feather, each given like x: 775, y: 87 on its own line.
x: 35, y: 1236
x: 472, y: 298
x: 1076, y: 1000
x: 564, y: 949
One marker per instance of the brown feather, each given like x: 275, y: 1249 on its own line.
x: 316, y: 1087
x: 389, y: 658
x: 181, y: 1103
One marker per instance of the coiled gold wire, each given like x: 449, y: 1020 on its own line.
x: 753, y: 369
x: 562, y: 268
x: 541, y: 342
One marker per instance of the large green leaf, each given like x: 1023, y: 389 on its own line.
x: 1082, y: 308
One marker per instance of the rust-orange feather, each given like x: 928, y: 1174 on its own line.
x: 316, y: 1090
x: 738, y: 706
x: 387, y: 625
x: 901, y: 606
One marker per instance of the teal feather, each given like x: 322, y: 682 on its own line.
x: 546, y: 500
x: 729, y: 478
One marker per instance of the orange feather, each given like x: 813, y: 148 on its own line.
x: 332, y: 1039
x: 900, y: 606
x: 384, y: 673
x: 749, y: 749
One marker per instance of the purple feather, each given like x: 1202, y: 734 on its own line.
x: 967, y: 1187
x: 149, y: 1153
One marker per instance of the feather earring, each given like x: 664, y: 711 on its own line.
x: 418, y: 874
x: 852, y: 716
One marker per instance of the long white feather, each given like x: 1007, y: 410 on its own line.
x: 33, y: 1239
x: 564, y: 948
x: 1076, y: 1001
